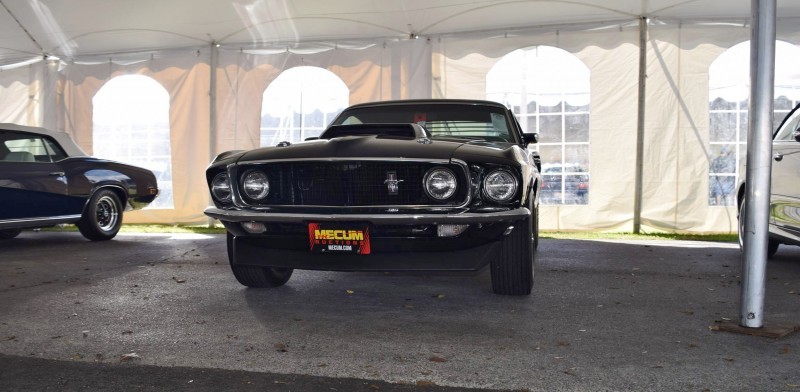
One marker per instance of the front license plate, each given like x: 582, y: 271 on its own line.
x: 339, y: 238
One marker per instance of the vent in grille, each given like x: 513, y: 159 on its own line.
x: 354, y: 184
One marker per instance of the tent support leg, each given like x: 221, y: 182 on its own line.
x: 759, y: 163
x: 637, y: 198
x: 212, y: 110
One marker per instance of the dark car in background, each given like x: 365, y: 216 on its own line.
x: 784, y: 201
x: 418, y: 185
x: 45, y: 180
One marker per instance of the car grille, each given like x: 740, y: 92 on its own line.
x: 352, y: 184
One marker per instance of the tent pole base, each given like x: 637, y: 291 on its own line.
x: 772, y: 331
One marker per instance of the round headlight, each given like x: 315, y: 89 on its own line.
x: 221, y: 187
x: 255, y: 185
x: 440, y: 183
x: 500, y: 185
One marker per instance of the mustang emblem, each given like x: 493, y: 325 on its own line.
x: 392, y: 182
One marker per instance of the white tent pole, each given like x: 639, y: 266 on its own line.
x: 759, y: 163
x: 637, y: 199
x: 212, y: 111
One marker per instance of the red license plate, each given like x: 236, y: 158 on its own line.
x: 339, y: 238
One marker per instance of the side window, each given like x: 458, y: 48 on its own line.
x: 728, y: 93
x: 548, y: 89
x: 131, y: 124
x: 300, y: 103
x: 25, y: 148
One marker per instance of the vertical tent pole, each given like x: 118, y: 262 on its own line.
x: 212, y: 111
x: 759, y: 163
x: 637, y: 198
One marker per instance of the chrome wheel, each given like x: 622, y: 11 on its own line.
x: 107, y: 213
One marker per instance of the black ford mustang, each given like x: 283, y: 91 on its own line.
x: 417, y: 185
x: 45, y: 179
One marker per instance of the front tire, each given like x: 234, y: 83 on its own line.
x: 772, y: 244
x: 257, y: 277
x: 512, y: 270
x: 8, y: 234
x: 102, y: 217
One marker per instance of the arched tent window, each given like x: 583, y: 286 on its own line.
x: 548, y: 90
x: 131, y: 125
x: 729, y: 92
x: 300, y: 103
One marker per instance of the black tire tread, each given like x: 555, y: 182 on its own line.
x: 512, y: 270
x: 257, y: 277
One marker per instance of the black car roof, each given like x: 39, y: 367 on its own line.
x: 430, y: 101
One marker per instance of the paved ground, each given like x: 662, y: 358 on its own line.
x: 151, y: 312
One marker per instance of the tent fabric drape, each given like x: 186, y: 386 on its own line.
x: 676, y: 154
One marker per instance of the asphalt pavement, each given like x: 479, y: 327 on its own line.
x: 163, y: 312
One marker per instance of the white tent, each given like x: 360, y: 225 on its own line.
x: 215, y: 59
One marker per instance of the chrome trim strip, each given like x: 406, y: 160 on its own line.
x: 387, y: 219
x: 340, y: 159
x: 38, y: 222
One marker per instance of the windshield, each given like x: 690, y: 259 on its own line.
x: 441, y: 120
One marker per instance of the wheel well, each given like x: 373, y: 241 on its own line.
x: 123, y: 197
x: 740, y: 196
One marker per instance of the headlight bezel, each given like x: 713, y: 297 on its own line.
x: 222, y: 183
x: 245, y: 185
x: 503, y: 197
x: 429, y: 175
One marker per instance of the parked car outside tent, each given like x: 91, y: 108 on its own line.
x: 784, y: 201
x: 414, y: 185
x: 45, y: 180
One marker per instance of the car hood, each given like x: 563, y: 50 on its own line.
x: 364, y: 147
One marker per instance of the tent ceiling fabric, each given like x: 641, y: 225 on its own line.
x: 71, y: 29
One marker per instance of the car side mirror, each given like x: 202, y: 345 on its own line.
x: 530, y: 138
x: 796, y: 134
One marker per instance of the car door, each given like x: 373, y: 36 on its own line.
x: 785, y: 192
x: 32, y: 186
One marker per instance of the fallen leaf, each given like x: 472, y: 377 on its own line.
x: 425, y: 383
x: 350, y: 291
x: 440, y: 296
x: 785, y: 350
x: 129, y: 357
x: 563, y: 343
x: 374, y: 387
x: 127, y: 332
x: 7, y: 338
x: 77, y: 357
x: 437, y: 359
x: 280, y: 347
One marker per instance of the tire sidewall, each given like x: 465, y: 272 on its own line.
x: 90, y: 227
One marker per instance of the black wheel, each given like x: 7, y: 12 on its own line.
x: 512, y: 270
x: 535, y: 217
x: 258, y: 277
x: 772, y: 248
x: 772, y: 244
x: 7, y: 234
x: 102, y: 217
